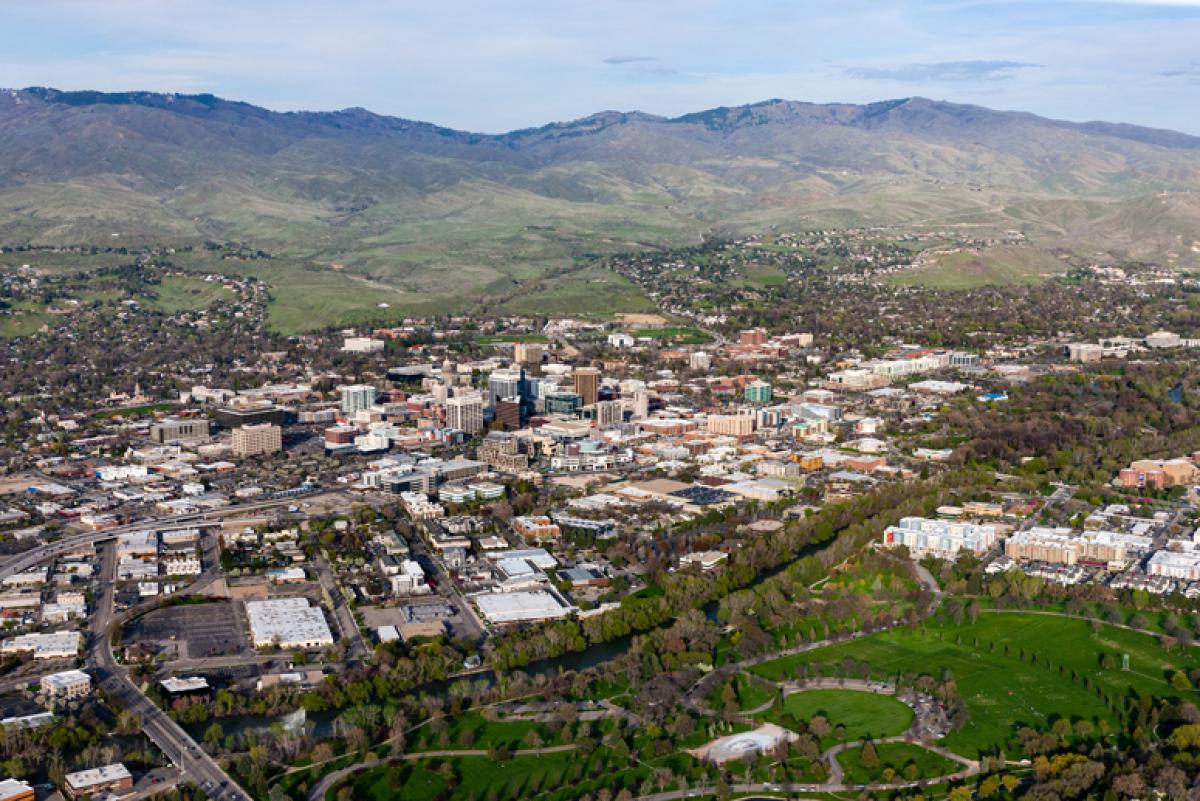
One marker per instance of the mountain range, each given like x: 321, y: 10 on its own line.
x: 441, y: 213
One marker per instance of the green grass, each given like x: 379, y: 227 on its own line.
x: 749, y: 694
x: 761, y: 275
x: 134, y: 411
x: 897, y: 756
x: 591, y: 292
x: 178, y: 293
x: 478, y: 777
x: 1005, y: 691
x: 862, y: 714
x: 22, y: 319
x: 999, y: 266
x: 471, y: 730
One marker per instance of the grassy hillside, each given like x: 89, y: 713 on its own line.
x: 428, y: 218
x: 997, y: 266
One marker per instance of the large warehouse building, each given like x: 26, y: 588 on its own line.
x: 520, y: 607
x: 288, y: 623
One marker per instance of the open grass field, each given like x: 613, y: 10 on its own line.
x: 480, y: 777
x: 999, y: 266
x: 852, y: 713
x: 178, y: 293
x: 1012, y: 670
x: 898, y: 757
x: 591, y: 292
x: 471, y: 730
x: 761, y: 275
x: 22, y: 319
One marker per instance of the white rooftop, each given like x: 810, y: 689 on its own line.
x: 515, y: 607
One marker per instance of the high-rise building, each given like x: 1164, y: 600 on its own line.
x: 528, y: 352
x: 563, y: 403
x: 175, y: 428
x: 732, y: 425
x: 699, y: 360
x: 357, y: 397
x: 465, y: 412
x: 257, y: 440
x: 758, y: 391
x: 587, y: 384
x: 608, y: 414
x: 641, y: 404
x: 506, y: 383
x: 508, y: 413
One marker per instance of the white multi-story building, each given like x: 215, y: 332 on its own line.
x: 465, y: 412
x: 410, y: 580
x: 641, y: 404
x: 362, y: 345
x: 181, y: 565
x: 419, y: 507
x: 941, y: 538
x: 1183, y: 565
x: 357, y: 398
x: 609, y: 414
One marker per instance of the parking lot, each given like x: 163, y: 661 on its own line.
x: 197, y: 631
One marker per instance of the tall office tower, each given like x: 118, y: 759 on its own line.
x: 356, y: 397
x: 528, y: 352
x: 641, y: 404
x: 508, y: 413
x: 758, y: 391
x: 506, y: 383
x: 608, y: 414
x: 700, y: 360
x: 465, y: 412
x: 587, y: 384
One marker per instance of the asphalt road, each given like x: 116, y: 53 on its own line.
x: 28, y: 559
x: 193, y: 762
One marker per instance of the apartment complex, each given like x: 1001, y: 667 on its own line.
x: 941, y: 538
x: 465, y: 412
x: 357, y: 398
x: 731, y: 425
x: 1066, y: 547
x: 257, y: 440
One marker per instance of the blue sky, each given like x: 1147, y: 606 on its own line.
x: 496, y: 65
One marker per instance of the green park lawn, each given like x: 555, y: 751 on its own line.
x: 749, y: 695
x: 897, y: 756
x: 1012, y: 670
x: 480, y: 777
x: 861, y: 714
x: 177, y: 293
